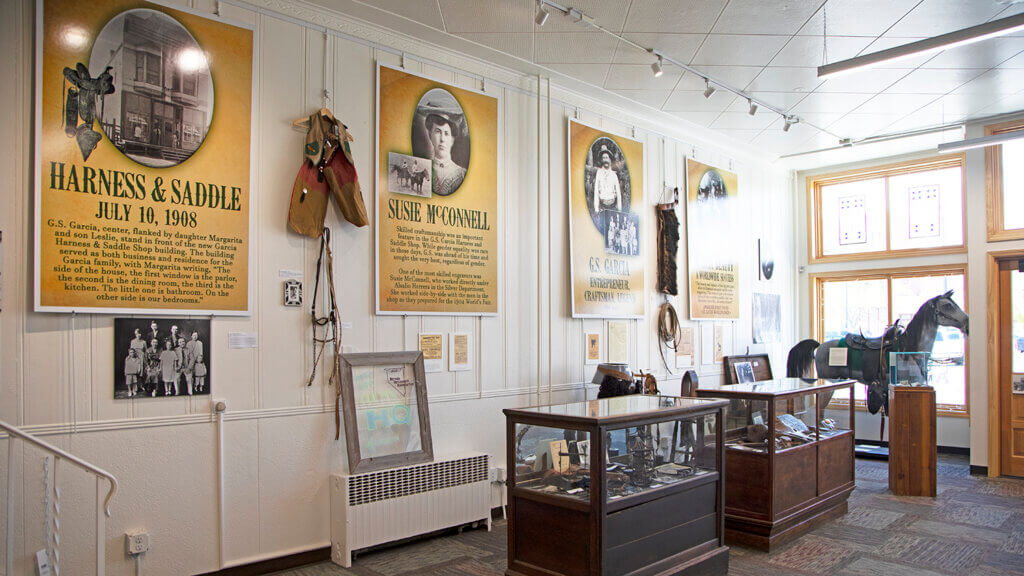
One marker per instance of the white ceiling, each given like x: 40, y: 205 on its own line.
x: 769, y: 49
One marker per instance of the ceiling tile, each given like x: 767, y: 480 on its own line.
x: 839, y: 103
x: 519, y: 44
x: 472, y: 16
x: 935, y: 17
x: 1015, y: 62
x: 735, y: 76
x: 640, y: 77
x: 933, y: 81
x: 728, y: 49
x: 847, y: 17
x: 687, y: 101
x: 862, y: 125
x: 761, y: 17
x: 1013, y: 103
x: 424, y: 11
x: 574, y: 47
x: 700, y: 118
x: 681, y: 47
x: 652, y: 98
x: 777, y: 142
x: 810, y: 50
x: 611, y: 15
x: 678, y: 16
x: 785, y: 79
x: 956, y: 106
x: 895, y: 103
x: 781, y: 100
x: 738, y: 135
x: 589, y: 73
x: 819, y: 119
x: 866, y: 82
x: 999, y: 81
x: 986, y: 54
x: 743, y: 120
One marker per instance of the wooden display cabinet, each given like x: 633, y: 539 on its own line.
x: 653, y: 505
x: 787, y: 468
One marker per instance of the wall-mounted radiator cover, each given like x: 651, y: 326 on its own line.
x: 387, y: 505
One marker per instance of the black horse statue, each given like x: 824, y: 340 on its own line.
x: 867, y: 358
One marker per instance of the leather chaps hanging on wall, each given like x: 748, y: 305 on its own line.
x: 668, y: 246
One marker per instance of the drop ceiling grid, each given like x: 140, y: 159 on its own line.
x: 767, y: 48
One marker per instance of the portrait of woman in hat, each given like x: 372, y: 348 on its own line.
x: 439, y: 132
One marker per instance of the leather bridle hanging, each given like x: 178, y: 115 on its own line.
x: 330, y: 322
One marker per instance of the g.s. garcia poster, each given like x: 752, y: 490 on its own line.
x: 712, y: 252
x: 143, y: 131
x: 437, y: 197
x: 606, y: 223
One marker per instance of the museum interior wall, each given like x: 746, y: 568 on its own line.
x: 954, y: 431
x: 56, y: 371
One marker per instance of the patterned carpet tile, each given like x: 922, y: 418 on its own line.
x: 1011, y: 563
x: 1014, y: 544
x: 813, y: 554
x: 933, y: 553
x: 958, y: 532
x: 976, y: 515
x: 867, y: 566
x: 871, y: 518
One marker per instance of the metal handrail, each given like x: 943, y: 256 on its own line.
x: 14, y: 431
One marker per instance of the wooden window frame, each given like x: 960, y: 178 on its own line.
x: 886, y: 171
x: 818, y: 279
x: 994, y: 184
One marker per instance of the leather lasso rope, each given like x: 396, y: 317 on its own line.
x: 331, y: 324
x: 669, y: 332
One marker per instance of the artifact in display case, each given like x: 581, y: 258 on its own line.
x: 788, y: 456
x: 631, y: 484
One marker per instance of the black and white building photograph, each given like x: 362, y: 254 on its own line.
x: 606, y: 181
x: 409, y: 175
x: 621, y: 233
x: 162, y: 104
x: 157, y: 357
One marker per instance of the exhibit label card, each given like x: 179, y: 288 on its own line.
x: 606, y: 223
x: 713, y: 254
x: 458, y: 358
x: 437, y: 197
x: 618, y: 351
x: 593, y: 343
x: 432, y: 346
x: 143, y: 136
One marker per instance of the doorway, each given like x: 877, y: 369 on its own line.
x: 1006, y: 373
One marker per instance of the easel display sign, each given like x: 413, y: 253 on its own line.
x: 437, y: 197
x: 142, y: 146
x: 606, y: 223
x: 712, y: 196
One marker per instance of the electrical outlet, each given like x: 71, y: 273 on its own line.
x: 137, y: 542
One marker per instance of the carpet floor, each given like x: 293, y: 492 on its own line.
x: 974, y: 527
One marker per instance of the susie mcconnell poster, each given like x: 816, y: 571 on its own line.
x: 143, y: 137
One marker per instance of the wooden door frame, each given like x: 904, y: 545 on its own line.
x: 994, y: 329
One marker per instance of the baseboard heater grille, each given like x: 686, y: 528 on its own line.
x: 388, y: 505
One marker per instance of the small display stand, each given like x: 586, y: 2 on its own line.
x: 616, y: 486
x: 788, y: 457
x: 912, y: 446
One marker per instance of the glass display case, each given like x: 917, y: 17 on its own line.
x: 788, y: 456
x: 613, y: 478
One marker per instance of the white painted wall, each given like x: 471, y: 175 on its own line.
x: 55, y: 369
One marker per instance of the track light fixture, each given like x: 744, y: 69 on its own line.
x: 753, y: 107
x: 656, y: 68
x: 788, y: 122
x: 542, y: 14
x: 708, y: 88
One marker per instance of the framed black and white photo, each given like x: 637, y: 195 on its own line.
x: 744, y: 372
x: 1018, y: 383
x: 160, y: 357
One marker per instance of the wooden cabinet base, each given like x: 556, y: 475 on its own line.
x: 913, y: 454
x: 763, y: 535
x: 713, y: 562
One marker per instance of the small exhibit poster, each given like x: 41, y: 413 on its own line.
x: 143, y: 159
x: 593, y: 341
x: 432, y: 346
x: 684, y: 349
x: 618, y: 340
x: 712, y: 195
x: 1018, y: 384
x: 606, y: 223
x: 159, y: 357
x: 719, y: 343
x: 766, y: 321
x: 458, y: 357
x: 437, y: 197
